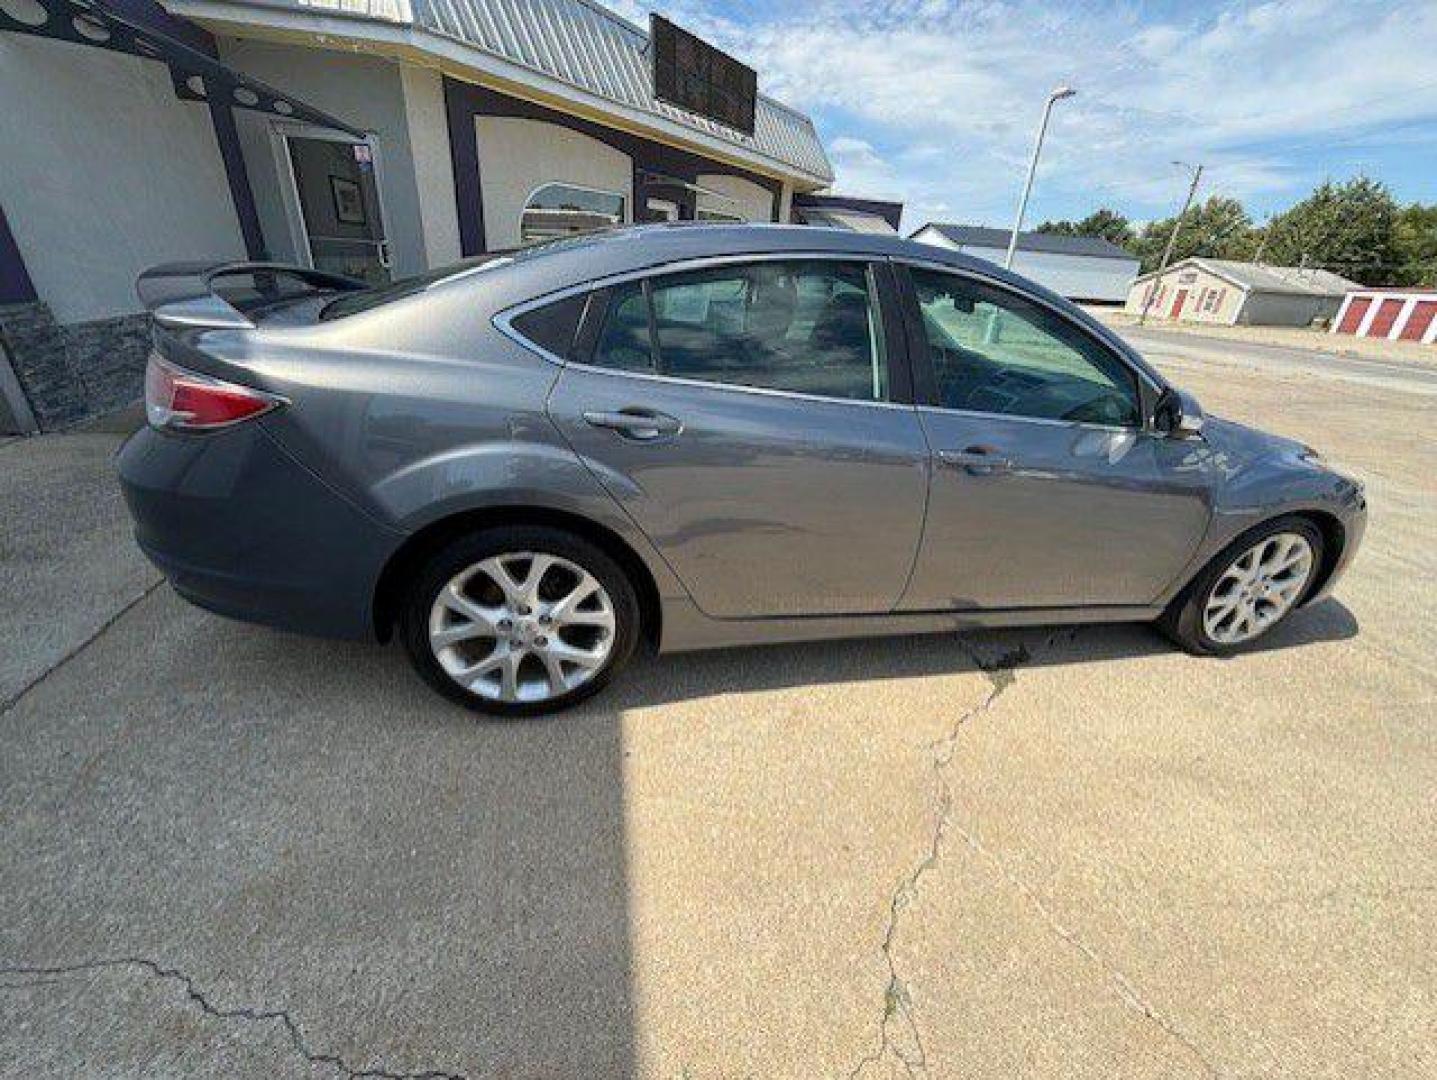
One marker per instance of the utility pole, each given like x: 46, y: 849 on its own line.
x: 1057, y: 95
x: 1172, y: 239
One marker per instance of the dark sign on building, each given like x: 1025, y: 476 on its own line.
x: 693, y: 75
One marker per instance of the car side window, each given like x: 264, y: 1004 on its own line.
x: 552, y: 326
x: 624, y: 343
x: 995, y: 351
x: 806, y: 326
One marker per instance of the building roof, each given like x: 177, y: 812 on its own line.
x: 1259, y: 277
x: 578, y: 43
x: 588, y: 46
x: 1052, y: 243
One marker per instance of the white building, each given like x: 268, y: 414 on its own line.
x: 376, y: 138
x: 1078, y: 267
x: 1237, y: 293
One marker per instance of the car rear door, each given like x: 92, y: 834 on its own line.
x: 1047, y: 488
x: 755, y: 419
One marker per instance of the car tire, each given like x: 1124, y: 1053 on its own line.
x: 484, y: 577
x: 1193, y: 619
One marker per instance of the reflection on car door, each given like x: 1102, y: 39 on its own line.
x: 1030, y: 507
x: 744, y: 417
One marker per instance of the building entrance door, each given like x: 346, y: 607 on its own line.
x: 334, y: 203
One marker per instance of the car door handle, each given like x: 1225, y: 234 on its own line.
x: 642, y: 425
x: 977, y: 460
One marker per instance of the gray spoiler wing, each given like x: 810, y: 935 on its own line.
x: 182, y: 295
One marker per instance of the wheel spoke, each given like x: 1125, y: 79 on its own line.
x: 509, y: 675
x: 1292, y: 562
x: 476, y: 671
x: 558, y: 680
x: 584, y: 588
x: 1216, y: 612
x: 454, y: 600
x: 453, y: 635
x: 603, y: 620
x: 498, y: 572
x: 538, y: 567
x: 475, y: 619
x: 589, y: 659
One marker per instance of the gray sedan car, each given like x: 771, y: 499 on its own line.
x: 694, y: 436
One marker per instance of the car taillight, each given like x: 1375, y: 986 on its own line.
x: 180, y: 400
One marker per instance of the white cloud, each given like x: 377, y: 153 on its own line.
x: 935, y: 101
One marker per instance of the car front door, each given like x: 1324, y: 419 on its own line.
x: 755, y: 419
x: 1048, y: 490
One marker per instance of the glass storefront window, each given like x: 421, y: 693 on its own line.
x: 564, y: 209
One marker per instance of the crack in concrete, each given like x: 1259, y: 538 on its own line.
x: 100, y: 631
x: 898, y: 1029
x: 40, y: 975
x: 1128, y: 992
x: 897, y: 1004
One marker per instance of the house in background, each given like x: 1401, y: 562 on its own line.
x: 376, y: 138
x: 1237, y: 293
x: 1391, y: 313
x: 1078, y: 267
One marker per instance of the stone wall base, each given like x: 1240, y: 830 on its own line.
x: 70, y: 373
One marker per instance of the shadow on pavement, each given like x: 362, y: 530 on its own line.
x: 300, y: 832
x: 658, y: 680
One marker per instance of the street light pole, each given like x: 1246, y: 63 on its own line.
x: 1057, y: 95
x: 1172, y: 240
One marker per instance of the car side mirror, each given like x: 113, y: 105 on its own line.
x: 1178, y: 415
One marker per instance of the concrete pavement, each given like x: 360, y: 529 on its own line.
x: 228, y: 851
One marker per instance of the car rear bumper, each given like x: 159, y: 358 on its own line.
x: 241, y: 528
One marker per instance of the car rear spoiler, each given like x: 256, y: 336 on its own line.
x: 183, y: 295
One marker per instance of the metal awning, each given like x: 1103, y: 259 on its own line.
x: 852, y: 220
x: 197, y: 77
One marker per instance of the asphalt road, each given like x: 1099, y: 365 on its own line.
x: 229, y: 851
x: 1380, y: 373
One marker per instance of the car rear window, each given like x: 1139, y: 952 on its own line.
x: 353, y: 303
x: 368, y: 299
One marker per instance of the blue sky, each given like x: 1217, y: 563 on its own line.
x: 935, y: 101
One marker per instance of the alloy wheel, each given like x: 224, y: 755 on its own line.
x: 524, y: 626
x: 1258, y: 588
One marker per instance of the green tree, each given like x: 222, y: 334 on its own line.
x: 1105, y: 223
x: 1058, y: 228
x: 1415, y: 240
x: 1219, y: 228
x: 1348, y: 228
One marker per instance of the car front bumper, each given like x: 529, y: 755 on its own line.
x: 241, y: 528
x: 1352, y: 513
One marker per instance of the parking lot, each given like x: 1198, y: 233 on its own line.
x: 229, y: 851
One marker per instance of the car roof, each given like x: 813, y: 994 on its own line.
x: 529, y: 273
x: 576, y: 260
x: 636, y: 247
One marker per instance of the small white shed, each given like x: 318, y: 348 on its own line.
x: 1078, y: 267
